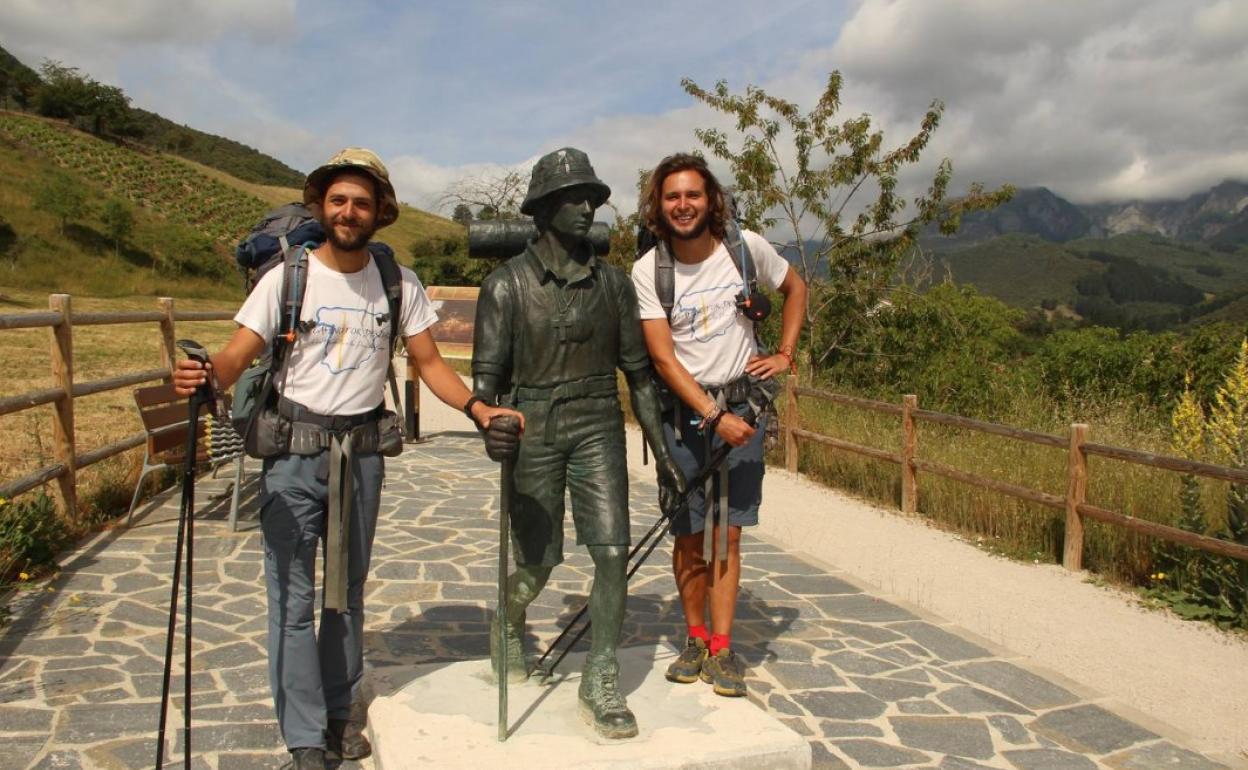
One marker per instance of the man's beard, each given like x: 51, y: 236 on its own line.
x: 359, y: 241
x: 696, y: 232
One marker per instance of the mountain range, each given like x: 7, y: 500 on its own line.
x: 1217, y: 217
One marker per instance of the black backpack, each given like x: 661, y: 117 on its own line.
x: 283, y: 237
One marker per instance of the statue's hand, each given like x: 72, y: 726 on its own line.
x: 502, y: 438
x: 672, y: 485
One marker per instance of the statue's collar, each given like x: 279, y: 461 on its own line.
x: 565, y: 271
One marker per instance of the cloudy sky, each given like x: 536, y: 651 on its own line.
x: 1095, y: 99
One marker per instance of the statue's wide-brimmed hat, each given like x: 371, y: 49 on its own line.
x: 560, y: 170
x: 367, y: 163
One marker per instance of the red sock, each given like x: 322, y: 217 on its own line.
x: 700, y: 632
x: 719, y: 642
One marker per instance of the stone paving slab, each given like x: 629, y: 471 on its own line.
x: 868, y: 682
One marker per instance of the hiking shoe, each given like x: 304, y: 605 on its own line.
x: 600, y: 702
x: 312, y: 758
x: 345, y: 739
x: 517, y: 666
x: 688, y: 665
x: 725, y: 672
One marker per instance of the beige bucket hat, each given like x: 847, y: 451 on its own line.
x: 365, y: 161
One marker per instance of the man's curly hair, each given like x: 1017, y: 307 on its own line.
x: 651, y: 204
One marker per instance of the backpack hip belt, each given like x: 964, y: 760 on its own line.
x: 312, y: 433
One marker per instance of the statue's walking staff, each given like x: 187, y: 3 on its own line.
x: 504, y: 537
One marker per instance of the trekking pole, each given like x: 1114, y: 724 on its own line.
x: 717, y: 458
x: 504, y: 535
x: 186, y: 536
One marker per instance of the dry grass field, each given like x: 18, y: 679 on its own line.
x: 99, y: 352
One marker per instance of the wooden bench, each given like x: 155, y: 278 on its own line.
x: 165, y: 418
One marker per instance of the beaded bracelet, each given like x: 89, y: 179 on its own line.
x: 711, y: 420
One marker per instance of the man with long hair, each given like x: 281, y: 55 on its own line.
x: 705, y: 351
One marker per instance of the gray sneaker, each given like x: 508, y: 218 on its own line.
x: 725, y: 672
x: 688, y: 665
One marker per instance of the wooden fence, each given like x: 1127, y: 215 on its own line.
x: 1076, y: 444
x: 61, y: 319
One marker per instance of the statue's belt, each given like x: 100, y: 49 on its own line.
x: 590, y: 387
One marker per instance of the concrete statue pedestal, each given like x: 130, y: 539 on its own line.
x: 443, y: 715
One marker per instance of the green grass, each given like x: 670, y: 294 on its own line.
x: 1023, y: 270
x: 1184, y: 260
x: 189, y: 217
x: 998, y: 522
x: 1020, y: 270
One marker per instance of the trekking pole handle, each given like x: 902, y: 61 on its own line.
x: 193, y: 350
x: 197, y: 352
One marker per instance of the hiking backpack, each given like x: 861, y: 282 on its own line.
x: 283, y: 238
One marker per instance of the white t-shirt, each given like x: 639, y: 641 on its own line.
x: 338, y: 366
x: 713, y: 340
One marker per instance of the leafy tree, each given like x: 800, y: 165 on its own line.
x: 118, y: 220
x: 23, y: 86
x: 462, y: 214
x: 68, y: 94
x: 805, y: 169
x: 63, y: 197
x: 954, y: 347
x: 442, y: 261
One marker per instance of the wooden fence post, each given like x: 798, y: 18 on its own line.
x: 909, y: 443
x: 168, y: 351
x: 1076, y: 493
x: 790, y: 422
x: 63, y: 379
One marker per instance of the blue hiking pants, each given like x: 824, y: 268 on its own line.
x: 314, y: 675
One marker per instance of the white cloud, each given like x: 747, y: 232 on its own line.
x: 31, y: 23
x: 1112, y: 99
x: 1098, y: 101
x: 1107, y: 100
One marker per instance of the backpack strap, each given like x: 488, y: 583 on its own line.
x: 739, y: 250
x: 294, y: 288
x: 665, y: 277
x: 392, y: 282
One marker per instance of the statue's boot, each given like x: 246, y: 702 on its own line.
x: 517, y: 666
x: 601, y: 703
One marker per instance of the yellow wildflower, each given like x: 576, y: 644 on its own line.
x: 23, y: 576
x: 1188, y: 424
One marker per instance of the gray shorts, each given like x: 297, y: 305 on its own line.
x: 745, y: 473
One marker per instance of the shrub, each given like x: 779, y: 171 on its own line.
x: 31, y: 534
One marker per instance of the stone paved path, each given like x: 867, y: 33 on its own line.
x: 870, y: 683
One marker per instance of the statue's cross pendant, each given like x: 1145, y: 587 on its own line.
x: 562, y: 322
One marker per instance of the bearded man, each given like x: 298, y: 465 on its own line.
x: 331, y: 386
